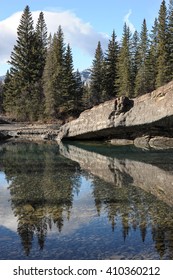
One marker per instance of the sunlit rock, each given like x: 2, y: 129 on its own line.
x: 123, y: 118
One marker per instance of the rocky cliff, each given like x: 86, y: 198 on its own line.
x: 123, y: 118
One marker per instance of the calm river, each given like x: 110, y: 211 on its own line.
x: 85, y: 201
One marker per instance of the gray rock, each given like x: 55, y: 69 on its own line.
x: 122, y: 118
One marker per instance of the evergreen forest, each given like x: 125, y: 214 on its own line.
x: 42, y: 85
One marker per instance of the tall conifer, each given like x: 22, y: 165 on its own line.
x: 79, y: 89
x: 9, y: 99
x: 24, y: 71
x: 162, y: 58
x: 97, y: 76
x: 86, y: 97
x: 111, y: 65
x: 135, y: 57
x: 69, y: 87
x: 41, y: 32
x: 1, y: 97
x: 54, y: 74
x: 125, y: 64
x: 152, y: 58
x: 170, y: 40
x: 141, y: 83
x: 49, y: 82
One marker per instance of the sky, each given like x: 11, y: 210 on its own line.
x: 84, y: 23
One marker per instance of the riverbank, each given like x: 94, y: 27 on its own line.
x: 29, y: 131
x: 50, y: 132
x: 146, y: 122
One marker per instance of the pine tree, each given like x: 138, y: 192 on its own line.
x: 170, y: 41
x: 1, y: 97
x: 162, y: 58
x: 9, y: 94
x: 79, y: 88
x: 41, y: 32
x: 54, y: 76
x: 22, y: 65
x: 24, y: 72
x: 152, y: 56
x: 135, y: 57
x: 97, y: 76
x: 68, y: 102
x: 141, y: 83
x: 111, y: 64
x: 48, y: 84
x: 125, y: 64
x: 22, y: 51
x: 86, y: 98
x: 42, y: 43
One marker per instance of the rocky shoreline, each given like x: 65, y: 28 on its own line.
x: 36, y: 132
x: 146, y: 122
x: 28, y: 131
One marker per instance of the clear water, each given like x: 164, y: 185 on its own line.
x: 85, y: 201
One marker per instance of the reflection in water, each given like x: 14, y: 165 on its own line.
x: 124, y: 198
x: 88, y: 202
x: 41, y: 192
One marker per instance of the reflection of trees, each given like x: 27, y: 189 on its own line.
x: 162, y: 230
x: 136, y: 209
x: 43, y: 184
x: 42, y: 188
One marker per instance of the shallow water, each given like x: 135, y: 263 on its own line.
x: 85, y: 201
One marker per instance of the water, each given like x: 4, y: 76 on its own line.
x: 85, y: 201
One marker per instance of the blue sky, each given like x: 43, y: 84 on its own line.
x: 84, y: 23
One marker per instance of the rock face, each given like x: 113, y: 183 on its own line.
x: 122, y: 118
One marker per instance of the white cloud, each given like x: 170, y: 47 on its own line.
x: 128, y: 22
x: 78, y: 33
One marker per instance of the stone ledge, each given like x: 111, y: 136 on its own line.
x: 123, y: 118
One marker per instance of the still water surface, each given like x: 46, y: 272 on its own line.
x: 85, y: 201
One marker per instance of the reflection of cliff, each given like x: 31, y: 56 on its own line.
x: 157, y: 180
x: 131, y: 198
x: 41, y: 192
